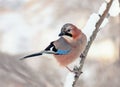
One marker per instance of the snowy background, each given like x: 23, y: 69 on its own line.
x: 28, y: 26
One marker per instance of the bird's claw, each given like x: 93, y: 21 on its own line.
x: 76, y: 71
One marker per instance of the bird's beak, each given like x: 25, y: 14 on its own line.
x: 61, y: 34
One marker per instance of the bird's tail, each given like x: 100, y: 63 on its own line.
x: 31, y: 55
x: 38, y: 54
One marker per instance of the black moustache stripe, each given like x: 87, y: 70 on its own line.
x: 68, y: 34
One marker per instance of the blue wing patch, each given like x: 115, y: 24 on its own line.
x: 52, y: 47
x: 62, y: 52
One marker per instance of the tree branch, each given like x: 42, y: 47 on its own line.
x: 93, y: 36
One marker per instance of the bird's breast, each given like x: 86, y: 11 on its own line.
x: 76, y: 48
x: 66, y: 59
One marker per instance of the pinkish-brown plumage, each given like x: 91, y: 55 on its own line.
x: 68, y: 47
x: 76, y: 43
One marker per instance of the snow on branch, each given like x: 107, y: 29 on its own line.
x: 98, y: 21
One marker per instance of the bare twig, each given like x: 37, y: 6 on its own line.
x: 93, y: 36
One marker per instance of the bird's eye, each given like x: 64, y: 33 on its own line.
x: 68, y: 30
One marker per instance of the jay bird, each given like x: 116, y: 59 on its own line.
x: 68, y: 47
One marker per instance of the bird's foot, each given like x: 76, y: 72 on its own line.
x: 75, y: 71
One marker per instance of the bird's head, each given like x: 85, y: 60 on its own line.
x: 70, y: 30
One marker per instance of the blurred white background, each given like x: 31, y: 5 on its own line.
x: 28, y: 26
